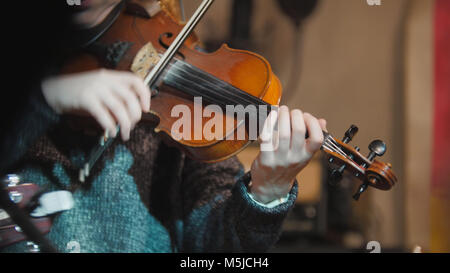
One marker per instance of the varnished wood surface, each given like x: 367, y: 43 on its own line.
x: 244, y: 70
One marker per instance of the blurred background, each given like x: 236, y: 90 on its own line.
x: 384, y: 68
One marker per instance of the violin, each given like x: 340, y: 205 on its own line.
x: 145, y: 39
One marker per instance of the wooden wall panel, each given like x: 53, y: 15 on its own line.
x: 419, y: 121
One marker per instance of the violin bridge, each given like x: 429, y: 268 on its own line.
x: 145, y: 60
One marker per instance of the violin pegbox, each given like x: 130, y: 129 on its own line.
x: 368, y: 170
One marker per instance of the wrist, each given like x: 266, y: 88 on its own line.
x: 268, y: 192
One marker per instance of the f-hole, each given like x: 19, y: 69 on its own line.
x: 166, y: 46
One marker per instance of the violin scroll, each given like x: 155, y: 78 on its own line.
x: 368, y: 170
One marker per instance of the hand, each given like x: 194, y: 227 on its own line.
x: 111, y: 97
x: 284, y: 153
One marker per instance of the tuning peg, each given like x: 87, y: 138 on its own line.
x: 377, y: 148
x: 360, y: 190
x: 351, y: 132
x: 336, y: 175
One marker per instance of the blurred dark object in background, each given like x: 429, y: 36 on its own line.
x: 241, y: 24
x: 325, y: 225
x: 297, y: 10
x: 241, y: 21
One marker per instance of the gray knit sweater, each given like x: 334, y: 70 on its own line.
x: 144, y: 196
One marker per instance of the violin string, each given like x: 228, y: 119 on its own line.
x: 335, y: 147
x: 217, y: 97
x: 186, y: 68
x: 326, y: 146
x: 331, y: 144
x: 334, y: 143
x: 172, y: 72
x: 330, y: 141
x: 337, y: 150
x: 223, y: 98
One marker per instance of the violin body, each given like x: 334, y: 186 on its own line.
x: 244, y: 70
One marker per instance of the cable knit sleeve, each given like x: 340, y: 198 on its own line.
x: 220, y: 215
